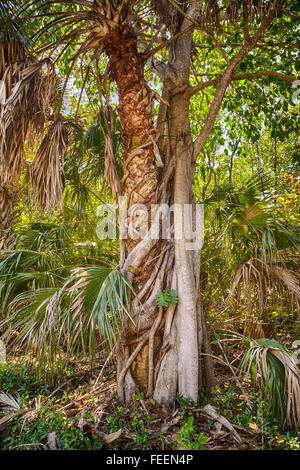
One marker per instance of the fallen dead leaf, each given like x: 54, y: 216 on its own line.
x: 252, y: 425
x: 71, y: 413
x: 109, y: 438
x: 6, y: 418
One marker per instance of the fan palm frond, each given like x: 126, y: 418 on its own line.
x: 43, y: 236
x: 32, y: 316
x: 102, y: 294
x: 56, y: 322
x: 274, y: 370
x: 39, y: 260
x: 247, y: 224
x: 27, y: 270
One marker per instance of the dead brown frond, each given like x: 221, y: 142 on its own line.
x: 257, y: 276
x: 11, y: 407
x: 46, y: 176
x: 275, y: 372
x: 8, y: 403
x: 254, y: 329
x: 30, y: 86
x: 8, y: 198
x: 290, y: 278
x: 11, y: 51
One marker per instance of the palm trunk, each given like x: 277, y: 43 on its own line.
x: 161, y: 354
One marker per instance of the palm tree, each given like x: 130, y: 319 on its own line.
x: 12, y: 49
x: 158, y: 352
x: 56, y: 298
x: 107, y: 27
x: 259, y: 250
x: 28, y: 90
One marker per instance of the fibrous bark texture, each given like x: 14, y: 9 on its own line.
x: 160, y: 354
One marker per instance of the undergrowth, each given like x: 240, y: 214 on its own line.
x: 146, y: 425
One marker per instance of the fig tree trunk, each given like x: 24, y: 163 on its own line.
x: 160, y: 354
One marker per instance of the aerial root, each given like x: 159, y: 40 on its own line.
x: 148, y: 336
x: 151, y: 352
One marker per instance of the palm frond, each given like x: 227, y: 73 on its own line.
x: 46, y: 174
x: 38, y: 261
x: 43, y: 236
x: 262, y: 278
x: 55, y: 323
x: 30, y: 87
x: 247, y: 224
x: 8, y: 402
x: 274, y: 370
x: 102, y: 294
x: 11, y: 25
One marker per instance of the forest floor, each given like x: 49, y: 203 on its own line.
x: 80, y: 410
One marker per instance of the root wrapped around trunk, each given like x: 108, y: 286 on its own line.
x: 161, y: 354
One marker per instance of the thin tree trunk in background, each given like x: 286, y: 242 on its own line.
x: 275, y: 163
x: 236, y: 145
x: 259, y: 159
x: 211, y: 172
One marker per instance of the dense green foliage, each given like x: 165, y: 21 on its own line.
x: 62, y: 296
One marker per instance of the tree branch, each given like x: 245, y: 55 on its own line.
x: 229, y: 73
x: 245, y: 76
x: 147, y: 55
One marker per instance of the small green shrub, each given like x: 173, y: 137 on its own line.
x: 49, y: 419
x: 188, y: 438
x: 19, y: 380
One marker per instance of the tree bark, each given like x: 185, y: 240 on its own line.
x: 161, y: 354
